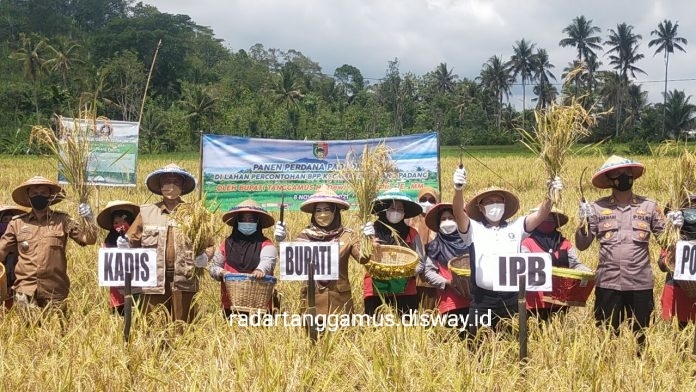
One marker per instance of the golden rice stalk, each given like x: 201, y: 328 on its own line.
x: 71, y: 151
x: 365, y: 175
x: 198, y: 224
x: 557, y: 129
x: 680, y: 184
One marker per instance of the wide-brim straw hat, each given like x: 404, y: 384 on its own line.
x: 104, y: 218
x: 20, y: 194
x: 432, y: 218
x: 411, y: 208
x: 426, y: 190
x: 512, y: 203
x: 153, y: 179
x: 600, y: 179
x: 248, y: 205
x: 12, y: 210
x: 323, y: 195
x: 559, y: 216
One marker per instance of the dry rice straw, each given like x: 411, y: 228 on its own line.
x: 557, y: 129
x: 365, y: 175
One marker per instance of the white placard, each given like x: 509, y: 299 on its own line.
x: 505, y: 269
x: 113, y: 264
x: 685, y: 260
x: 295, y: 259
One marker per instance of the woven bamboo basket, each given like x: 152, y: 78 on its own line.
x: 688, y: 286
x: 4, y: 294
x: 392, y: 262
x: 461, y: 274
x: 247, y: 294
x: 570, y: 287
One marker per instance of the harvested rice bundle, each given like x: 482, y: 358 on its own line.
x: 198, y: 224
x: 365, y: 175
x: 680, y: 184
x: 557, y: 129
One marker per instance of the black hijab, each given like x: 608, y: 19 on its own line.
x: 243, y: 252
x: 445, y: 246
x: 383, y: 231
x: 110, y: 240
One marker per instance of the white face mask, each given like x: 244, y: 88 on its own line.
x: 247, y: 228
x: 494, y: 211
x: 448, y: 226
x: 395, y: 217
x: 426, y: 206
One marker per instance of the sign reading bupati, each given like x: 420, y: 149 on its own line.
x: 113, y: 151
x: 238, y: 168
x: 114, y: 263
x: 536, y: 267
x: 685, y: 260
x: 296, y: 258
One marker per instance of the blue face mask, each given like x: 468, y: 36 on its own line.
x: 247, y: 228
x: 689, y: 215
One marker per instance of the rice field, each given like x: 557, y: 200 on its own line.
x: 87, y: 352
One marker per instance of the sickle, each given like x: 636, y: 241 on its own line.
x: 582, y: 194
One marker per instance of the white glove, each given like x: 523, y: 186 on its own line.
x: 201, y: 260
x: 122, y: 242
x: 554, y: 186
x: 585, y: 210
x: 459, y: 179
x: 676, y: 217
x: 85, y: 211
x: 368, y: 229
x: 279, y: 232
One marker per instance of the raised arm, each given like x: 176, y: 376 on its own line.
x: 531, y: 221
x: 460, y: 179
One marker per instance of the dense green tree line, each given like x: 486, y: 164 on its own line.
x: 67, y: 56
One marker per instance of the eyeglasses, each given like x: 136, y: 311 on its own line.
x: 430, y: 200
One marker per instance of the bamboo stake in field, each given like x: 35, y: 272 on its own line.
x: 365, y: 176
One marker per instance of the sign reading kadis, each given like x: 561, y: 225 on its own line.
x: 113, y: 264
x: 238, y: 168
x: 296, y: 259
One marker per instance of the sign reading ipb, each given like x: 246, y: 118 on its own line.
x: 685, y: 261
x: 114, y: 263
x: 297, y: 257
x: 536, y: 267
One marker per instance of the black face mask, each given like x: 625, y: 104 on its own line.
x: 622, y: 183
x: 39, y: 202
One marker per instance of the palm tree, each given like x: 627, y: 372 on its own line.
x: 680, y: 113
x: 581, y: 36
x: 31, y: 55
x: 495, y: 79
x: 443, y: 79
x: 65, y: 54
x: 545, y: 92
x: 287, y: 91
x: 200, y: 103
x: 624, y: 55
x: 666, y: 42
x: 521, y: 64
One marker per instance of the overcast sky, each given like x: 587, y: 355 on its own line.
x: 422, y: 33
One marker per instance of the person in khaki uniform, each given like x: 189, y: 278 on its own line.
x: 153, y: 227
x: 39, y: 238
x: 622, y: 223
x: 325, y: 207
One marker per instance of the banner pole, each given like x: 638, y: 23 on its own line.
x: 522, y: 308
x: 147, y: 84
x: 200, y: 165
x: 127, y: 307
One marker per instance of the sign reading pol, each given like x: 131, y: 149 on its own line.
x: 296, y: 258
x: 114, y: 263
x: 685, y: 260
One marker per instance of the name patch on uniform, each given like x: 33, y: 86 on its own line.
x: 114, y: 263
x: 296, y: 259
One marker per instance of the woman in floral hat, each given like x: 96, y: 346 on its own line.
x: 391, y: 208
